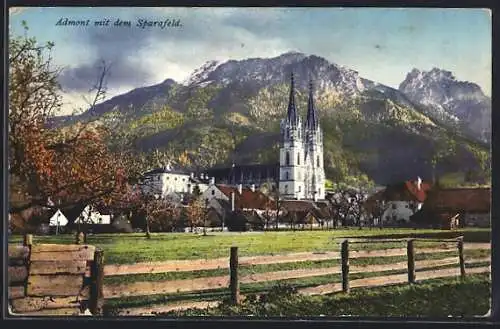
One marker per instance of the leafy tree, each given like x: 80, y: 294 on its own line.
x: 52, y: 168
x: 196, y: 214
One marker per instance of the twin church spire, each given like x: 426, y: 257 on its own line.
x: 312, y: 119
x: 302, y: 175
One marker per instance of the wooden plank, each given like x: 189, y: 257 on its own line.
x: 16, y: 292
x: 477, y: 260
x: 32, y: 304
x: 58, y: 267
x: 46, y: 247
x: 18, y: 252
x: 62, y: 252
x: 222, y: 263
x: 422, y: 264
x: 54, y: 312
x: 165, y: 287
x: 17, y: 274
x: 477, y: 270
x: 54, y: 285
x: 389, y: 280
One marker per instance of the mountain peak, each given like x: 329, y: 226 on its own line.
x: 450, y: 100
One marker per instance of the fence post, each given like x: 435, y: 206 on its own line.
x: 28, y: 240
x: 460, y: 246
x: 96, y: 290
x: 345, y: 266
x: 80, y: 238
x: 234, y: 285
x: 410, y: 250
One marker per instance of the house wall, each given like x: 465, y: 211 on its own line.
x: 90, y: 216
x: 396, y: 211
x: 477, y: 219
x: 165, y: 183
x: 213, y: 192
x: 58, y: 217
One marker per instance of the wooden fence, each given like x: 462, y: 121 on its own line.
x: 415, y: 271
x: 55, y: 279
x: 73, y: 274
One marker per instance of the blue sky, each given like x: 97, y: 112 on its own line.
x: 381, y: 44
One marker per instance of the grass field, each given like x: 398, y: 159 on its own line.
x: 438, y: 298
x: 132, y: 248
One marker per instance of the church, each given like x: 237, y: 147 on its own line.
x: 302, y: 175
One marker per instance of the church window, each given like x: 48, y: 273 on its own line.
x: 287, y: 175
x: 317, y: 161
x: 213, y: 192
x: 286, y: 189
x: 287, y: 160
x: 298, y: 158
x: 300, y: 188
x: 319, y: 191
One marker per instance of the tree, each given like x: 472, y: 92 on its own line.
x: 52, y: 168
x: 161, y: 215
x: 196, y: 213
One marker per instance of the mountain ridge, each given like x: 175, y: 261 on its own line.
x: 225, y: 105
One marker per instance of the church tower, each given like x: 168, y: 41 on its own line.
x: 292, y: 151
x: 315, y: 172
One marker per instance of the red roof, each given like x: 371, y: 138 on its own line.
x: 420, y: 193
x: 248, y: 199
x: 405, y: 191
x: 297, y: 205
x: 459, y: 199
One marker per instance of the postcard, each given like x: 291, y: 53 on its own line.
x: 249, y: 162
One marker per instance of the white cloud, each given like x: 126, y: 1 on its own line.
x: 16, y: 10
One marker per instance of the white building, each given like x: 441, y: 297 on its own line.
x: 400, y: 201
x: 89, y: 215
x: 302, y: 174
x: 164, y: 181
x: 58, y: 219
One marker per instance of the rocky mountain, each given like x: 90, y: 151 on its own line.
x: 456, y: 103
x: 230, y: 112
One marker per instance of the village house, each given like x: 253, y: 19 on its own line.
x: 58, y: 221
x: 92, y: 215
x: 398, y: 202
x: 455, y: 207
x: 223, y: 200
x: 303, y: 214
x: 166, y: 181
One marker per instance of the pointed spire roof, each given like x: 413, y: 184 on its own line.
x: 292, y: 116
x: 312, y: 115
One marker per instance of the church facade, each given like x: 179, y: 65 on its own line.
x: 301, y: 171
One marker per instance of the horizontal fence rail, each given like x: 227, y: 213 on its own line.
x: 223, y: 263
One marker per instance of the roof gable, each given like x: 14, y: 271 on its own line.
x: 247, y: 199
